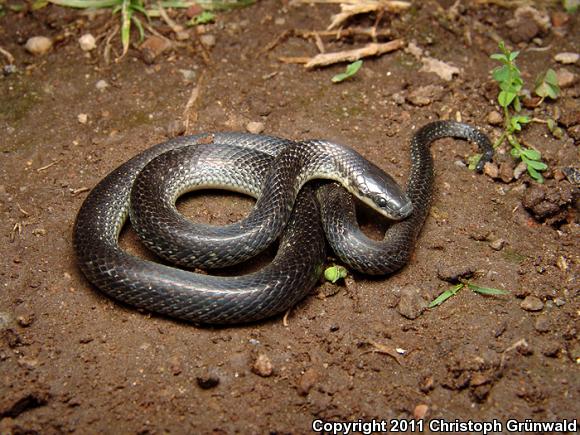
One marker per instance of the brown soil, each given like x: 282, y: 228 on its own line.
x: 71, y: 360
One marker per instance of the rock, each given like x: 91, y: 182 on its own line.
x: 425, y: 95
x: 551, y: 349
x: 497, y: 244
x: 152, y: 47
x: 255, y: 127
x: 542, y: 323
x: 208, y: 40
x: 25, y: 320
x: 453, y: 273
x: 527, y: 24
x: 420, y: 411
x: 307, y: 381
x: 102, y: 85
x: 494, y: 118
x: 520, y: 170
x: 189, y: 75
x: 411, y: 303
x: 175, y: 366
x: 38, y: 45
x: 532, y: 303
x: 83, y: 118
x: 398, y: 98
x: 559, y: 302
x: 280, y: 21
x: 87, y: 42
x: 567, y: 58
x: 506, y: 170
x: 442, y: 69
x: 208, y: 380
x: 565, y: 78
x: 263, y: 366
x: 491, y: 170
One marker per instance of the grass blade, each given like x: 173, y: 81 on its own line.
x: 487, y: 290
x: 445, y: 295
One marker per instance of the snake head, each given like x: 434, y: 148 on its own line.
x: 381, y: 192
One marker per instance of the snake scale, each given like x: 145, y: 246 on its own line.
x: 276, y: 172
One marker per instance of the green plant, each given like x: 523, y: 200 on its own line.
x: 510, y: 83
x: 204, y: 18
x: 130, y: 9
x: 351, y: 69
x: 334, y: 273
x: 450, y: 292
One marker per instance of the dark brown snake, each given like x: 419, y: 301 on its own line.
x: 274, y: 171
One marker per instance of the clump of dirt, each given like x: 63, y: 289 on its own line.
x: 73, y: 360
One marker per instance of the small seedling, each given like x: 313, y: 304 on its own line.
x: 510, y: 83
x: 204, y: 18
x: 450, y: 292
x: 334, y: 273
x: 351, y: 70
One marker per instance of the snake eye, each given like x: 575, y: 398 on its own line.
x: 381, y: 202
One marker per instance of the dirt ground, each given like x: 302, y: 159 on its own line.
x: 72, y: 360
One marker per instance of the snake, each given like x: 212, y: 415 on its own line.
x: 277, y: 173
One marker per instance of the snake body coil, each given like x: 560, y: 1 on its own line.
x: 274, y: 171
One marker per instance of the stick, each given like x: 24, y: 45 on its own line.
x: 372, y: 49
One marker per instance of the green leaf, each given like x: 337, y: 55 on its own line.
x: 204, y: 18
x: 499, y: 56
x: 515, y: 153
x: 351, y: 70
x: 501, y: 74
x: 473, y: 161
x: 513, y: 55
x: 445, y: 295
x: 86, y: 4
x: 334, y: 273
x: 487, y: 290
x: 126, y: 14
x: 547, y: 85
x: 538, y: 166
x: 505, y: 98
x: 531, y: 154
x: 535, y: 174
x: 39, y: 4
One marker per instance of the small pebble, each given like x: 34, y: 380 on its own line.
x: 491, y: 170
x: 520, y: 170
x: 565, y: 78
x: 420, y: 411
x: 453, y: 273
x: 559, y: 302
x: 38, y: 45
x: 567, y: 58
x: 87, y: 42
x: 25, y: 320
x: 280, y: 21
x: 411, y: 303
x: 188, y: 75
x: 551, y: 349
x: 255, y: 127
x: 208, y: 40
x: 102, y: 85
x: 494, y: 118
x: 532, y: 303
x: 208, y: 380
x: 5, y: 320
x: 263, y: 366
x: 497, y: 244
x: 83, y: 118
x: 307, y: 381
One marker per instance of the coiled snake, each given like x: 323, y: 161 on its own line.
x: 275, y: 171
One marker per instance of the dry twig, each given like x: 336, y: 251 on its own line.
x: 325, y: 59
